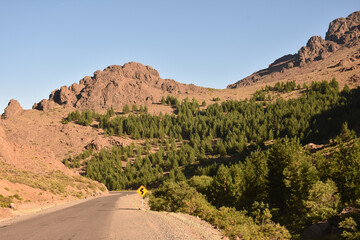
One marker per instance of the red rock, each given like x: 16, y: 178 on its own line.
x: 44, y: 105
x: 342, y: 32
x: 12, y: 109
x: 114, y: 87
x: 316, y: 49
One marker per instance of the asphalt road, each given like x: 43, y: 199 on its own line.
x: 87, y: 220
x: 113, y: 217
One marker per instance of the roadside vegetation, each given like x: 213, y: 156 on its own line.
x: 6, y: 201
x: 245, y: 166
x: 55, y: 182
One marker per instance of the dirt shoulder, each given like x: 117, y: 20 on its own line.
x: 129, y: 222
x: 116, y: 216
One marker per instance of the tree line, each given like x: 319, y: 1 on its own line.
x: 248, y: 156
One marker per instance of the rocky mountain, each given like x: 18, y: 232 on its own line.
x: 116, y: 86
x: 12, y: 109
x: 343, y: 35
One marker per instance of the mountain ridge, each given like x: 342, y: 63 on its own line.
x: 114, y: 87
x: 342, y: 33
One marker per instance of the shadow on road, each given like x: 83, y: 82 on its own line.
x: 137, y: 209
x: 116, y: 209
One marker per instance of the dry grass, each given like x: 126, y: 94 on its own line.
x: 55, y: 182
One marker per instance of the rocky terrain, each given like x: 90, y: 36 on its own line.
x: 32, y: 176
x: 33, y: 142
x: 116, y: 86
x: 337, y: 56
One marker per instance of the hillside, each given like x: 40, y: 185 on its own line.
x: 254, y: 164
x: 258, y: 160
x: 337, y: 56
x: 31, y: 176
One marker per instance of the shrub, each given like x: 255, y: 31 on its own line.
x: 5, y: 201
x: 126, y: 109
x: 323, y: 201
x: 201, y: 183
x: 180, y: 197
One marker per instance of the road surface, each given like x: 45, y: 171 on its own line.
x: 116, y: 216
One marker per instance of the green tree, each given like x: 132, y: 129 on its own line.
x: 323, y: 201
x: 256, y: 176
x: 126, y: 109
x: 221, y: 149
x: 134, y: 108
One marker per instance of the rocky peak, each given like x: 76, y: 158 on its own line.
x: 12, y: 109
x: 114, y: 87
x: 316, y: 49
x: 342, y: 32
x: 130, y: 70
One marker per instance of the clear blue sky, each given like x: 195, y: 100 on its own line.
x: 47, y: 44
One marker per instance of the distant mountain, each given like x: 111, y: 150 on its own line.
x: 341, y: 44
x: 116, y: 86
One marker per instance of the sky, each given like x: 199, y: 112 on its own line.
x: 47, y: 44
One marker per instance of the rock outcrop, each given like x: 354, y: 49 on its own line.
x: 114, y: 87
x: 342, y: 32
x: 316, y: 49
x: 12, y: 109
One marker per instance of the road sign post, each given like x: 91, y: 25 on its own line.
x: 142, y: 192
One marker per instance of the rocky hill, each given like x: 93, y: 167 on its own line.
x: 116, y: 86
x: 338, y: 53
x: 31, y: 176
x: 33, y: 143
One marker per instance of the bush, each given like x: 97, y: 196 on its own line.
x: 171, y: 196
x: 349, y: 227
x: 201, y: 183
x: 126, y: 109
x: 5, y: 201
x: 323, y: 202
x: 180, y: 197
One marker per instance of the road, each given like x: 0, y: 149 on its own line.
x: 112, y: 217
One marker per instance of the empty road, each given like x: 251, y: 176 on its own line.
x: 116, y: 216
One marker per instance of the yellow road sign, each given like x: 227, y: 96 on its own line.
x: 142, y: 191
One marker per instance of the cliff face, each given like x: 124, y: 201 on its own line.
x: 115, y: 86
x: 342, y: 33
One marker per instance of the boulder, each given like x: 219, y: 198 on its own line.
x: 13, y: 206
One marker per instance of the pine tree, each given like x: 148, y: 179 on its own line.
x: 126, y: 109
